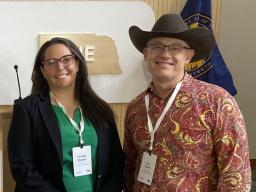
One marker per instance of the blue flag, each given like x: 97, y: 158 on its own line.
x: 197, y: 13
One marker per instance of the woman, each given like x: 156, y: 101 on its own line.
x: 63, y: 137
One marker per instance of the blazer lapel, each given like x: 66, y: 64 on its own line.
x: 52, y: 126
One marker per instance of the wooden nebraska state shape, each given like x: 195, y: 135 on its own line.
x: 100, y: 51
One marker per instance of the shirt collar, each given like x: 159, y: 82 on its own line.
x: 185, y: 87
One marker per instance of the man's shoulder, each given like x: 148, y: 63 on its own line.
x: 138, y: 99
x: 210, y: 88
x: 136, y: 104
x: 214, y: 93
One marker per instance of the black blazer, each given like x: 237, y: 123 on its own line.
x: 35, y: 150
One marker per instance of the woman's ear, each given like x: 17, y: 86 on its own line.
x: 77, y: 66
x: 42, y: 70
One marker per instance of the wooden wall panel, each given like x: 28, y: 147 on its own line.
x: 216, y: 14
x: 119, y: 111
x: 6, y: 183
x: 1, y: 153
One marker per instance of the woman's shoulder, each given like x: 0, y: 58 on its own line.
x: 32, y: 100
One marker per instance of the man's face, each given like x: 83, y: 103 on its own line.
x: 166, y: 58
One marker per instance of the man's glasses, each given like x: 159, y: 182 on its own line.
x: 172, y: 49
x: 66, y: 61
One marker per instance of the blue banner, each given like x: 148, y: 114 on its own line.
x: 197, y: 13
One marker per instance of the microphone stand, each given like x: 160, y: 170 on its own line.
x: 20, y: 98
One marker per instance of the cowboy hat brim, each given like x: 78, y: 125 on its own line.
x: 200, y: 39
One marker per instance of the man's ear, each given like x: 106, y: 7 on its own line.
x: 145, y: 53
x: 190, y: 54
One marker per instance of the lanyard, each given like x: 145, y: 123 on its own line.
x: 80, y: 128
x: 152, y: 129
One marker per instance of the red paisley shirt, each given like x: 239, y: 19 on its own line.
x: 201, y: 143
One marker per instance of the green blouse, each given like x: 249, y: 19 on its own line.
x: 70, y: 139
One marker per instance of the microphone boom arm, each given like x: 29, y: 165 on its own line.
x: 17, y: 74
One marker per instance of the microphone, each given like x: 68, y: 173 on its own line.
x: 20, y: 98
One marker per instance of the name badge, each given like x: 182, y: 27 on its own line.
x: 82, y: 160
x: 147, y: 168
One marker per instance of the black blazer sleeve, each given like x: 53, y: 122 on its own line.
x: 114, y: 181
x: 22, y: 153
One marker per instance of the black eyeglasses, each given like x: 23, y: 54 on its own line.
x: 65, y: 60
x: 172, y: 49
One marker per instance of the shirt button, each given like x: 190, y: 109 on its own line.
x: 99, y: 176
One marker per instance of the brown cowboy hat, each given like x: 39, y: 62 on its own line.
x: 172, y: 25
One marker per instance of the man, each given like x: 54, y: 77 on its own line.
x: 182, y: 134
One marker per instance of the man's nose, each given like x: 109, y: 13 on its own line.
x: 165, y: 52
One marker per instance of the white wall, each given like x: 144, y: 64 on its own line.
x: 22, y: 21
x: 238, y: 44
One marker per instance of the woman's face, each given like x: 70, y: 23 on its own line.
x: 59, y: 67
